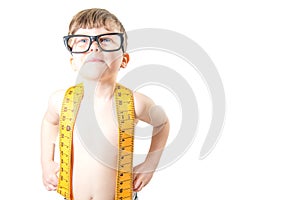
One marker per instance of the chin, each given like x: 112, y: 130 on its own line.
x: 92, y: 70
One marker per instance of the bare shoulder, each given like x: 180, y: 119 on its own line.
x: 148, y: 111
x: 54, y: 106
x: 142, y: 98
x: 142, y: 104
x: 56, y: 99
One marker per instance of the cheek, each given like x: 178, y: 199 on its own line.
x: 113, y: 60
x: 78, y: 61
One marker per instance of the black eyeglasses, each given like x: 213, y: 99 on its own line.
x: 81, y: 43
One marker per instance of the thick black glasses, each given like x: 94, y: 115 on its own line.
x: 107, y: 42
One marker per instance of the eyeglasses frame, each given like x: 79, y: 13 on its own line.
x: 92, y: 39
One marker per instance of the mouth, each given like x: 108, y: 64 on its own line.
x: 92, y: 60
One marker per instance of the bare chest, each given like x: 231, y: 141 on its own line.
x: 98, y: 119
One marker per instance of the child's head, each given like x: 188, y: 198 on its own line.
x: 97, y: 41
x: 96, y: 18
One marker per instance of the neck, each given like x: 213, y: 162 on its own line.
x: 101, y: 90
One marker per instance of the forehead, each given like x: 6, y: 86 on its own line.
x: 94, y: 31
x: 85, y: 23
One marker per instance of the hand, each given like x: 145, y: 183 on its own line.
x: 50, y: 177
x: 141, y: 176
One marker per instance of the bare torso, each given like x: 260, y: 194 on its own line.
x: 94, y: 180
x: 91, y: 178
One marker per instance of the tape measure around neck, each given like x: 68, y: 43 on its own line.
x: 125, y: 115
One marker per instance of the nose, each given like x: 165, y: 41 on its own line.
x: 94, y: 46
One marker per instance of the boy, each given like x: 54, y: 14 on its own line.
x: 97, y: 41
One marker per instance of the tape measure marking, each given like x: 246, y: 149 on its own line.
x: 68, y: 116
x: 125, y: 113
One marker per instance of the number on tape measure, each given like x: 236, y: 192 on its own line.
x: 125, y: 114
x: 68, y: 115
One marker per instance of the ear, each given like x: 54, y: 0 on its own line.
x: 125, y: 60
x: 73, y: 65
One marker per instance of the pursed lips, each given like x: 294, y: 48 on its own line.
x: 94, y: 60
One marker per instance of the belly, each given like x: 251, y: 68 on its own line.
x: 92, y: 179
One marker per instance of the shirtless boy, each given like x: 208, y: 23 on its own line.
x: 98, y: 62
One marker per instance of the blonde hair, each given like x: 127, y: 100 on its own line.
x: 96, y: 18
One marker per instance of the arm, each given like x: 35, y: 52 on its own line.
x: 49, y: 133
x: 147, y: 111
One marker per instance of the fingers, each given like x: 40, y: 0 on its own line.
x: 51, y: 183
x: 50, y: 188
x: 140, y: 182
x: 138, y: 187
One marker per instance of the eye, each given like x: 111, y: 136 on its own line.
x: 105, y: 40
x: 83, y: 40
x: 80, y: 40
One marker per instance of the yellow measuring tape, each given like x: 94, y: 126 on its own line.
x: 68, y: 115
x: 125, y: 114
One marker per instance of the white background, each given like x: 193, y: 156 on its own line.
x: 255, y: 46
